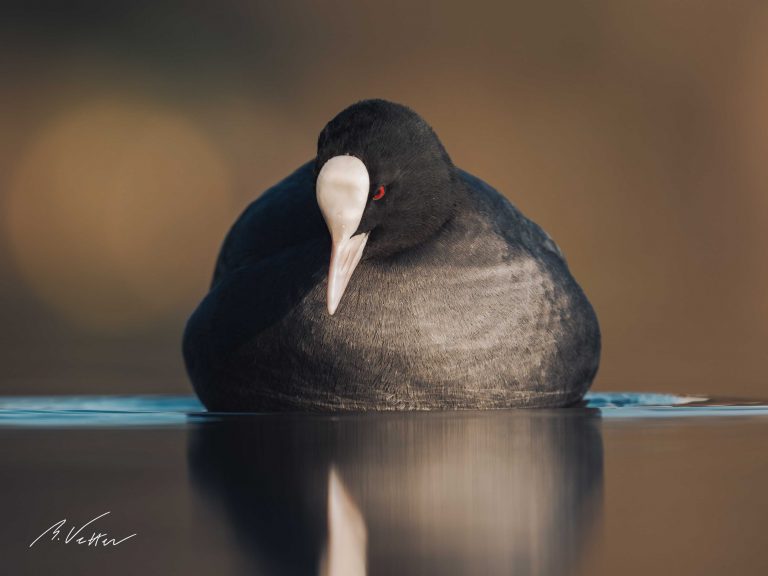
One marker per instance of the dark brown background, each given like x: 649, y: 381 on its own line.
x: 132, y: 134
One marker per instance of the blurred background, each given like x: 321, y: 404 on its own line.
x: 133, y: 133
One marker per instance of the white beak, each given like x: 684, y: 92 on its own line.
x: 342, y: 192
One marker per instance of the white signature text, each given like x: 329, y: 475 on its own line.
x: 77, y: 536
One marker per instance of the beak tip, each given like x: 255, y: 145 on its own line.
x: 332, y: 305
x: 344, y: 259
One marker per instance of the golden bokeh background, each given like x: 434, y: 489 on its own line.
x: 132, y: 134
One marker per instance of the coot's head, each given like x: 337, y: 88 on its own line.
x: 384, y: 184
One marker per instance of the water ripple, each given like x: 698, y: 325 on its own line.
x: 164, y: 410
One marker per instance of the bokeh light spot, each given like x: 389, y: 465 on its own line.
x: 115, y: 214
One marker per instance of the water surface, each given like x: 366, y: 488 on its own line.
x: 627, y: 483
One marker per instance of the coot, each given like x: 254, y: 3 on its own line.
x: 379, y: 276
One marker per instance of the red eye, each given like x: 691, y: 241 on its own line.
x: 379, y: 193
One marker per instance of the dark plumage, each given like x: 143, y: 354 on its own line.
x: 459, y: 301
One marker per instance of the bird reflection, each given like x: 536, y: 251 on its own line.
x: 496, y: 492
x: 345, y: 552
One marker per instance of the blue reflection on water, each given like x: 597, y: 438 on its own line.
x: 154, y: 410
x: 162, y: 410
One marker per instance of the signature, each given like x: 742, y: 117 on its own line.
x: 95, y: 539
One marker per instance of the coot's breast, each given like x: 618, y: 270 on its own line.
x: 466, y: 322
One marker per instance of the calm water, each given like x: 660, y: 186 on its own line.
x: 627, y: 484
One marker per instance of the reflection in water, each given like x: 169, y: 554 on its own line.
x: 345, y: 552
x: 440, y: 493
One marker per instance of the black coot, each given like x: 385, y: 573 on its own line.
x: 379, y: 276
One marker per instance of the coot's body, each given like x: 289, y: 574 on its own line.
x: 477, y: 309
